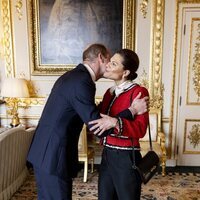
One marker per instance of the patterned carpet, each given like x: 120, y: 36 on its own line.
x: 174, y: 186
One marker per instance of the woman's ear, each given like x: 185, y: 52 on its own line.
x: 126, y: 73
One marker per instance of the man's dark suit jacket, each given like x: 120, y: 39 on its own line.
x: 71, y: 103
x: 54, y: 148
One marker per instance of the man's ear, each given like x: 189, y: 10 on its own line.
x: 100, y: 57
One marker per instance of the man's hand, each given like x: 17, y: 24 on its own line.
x: 139, y: 106
x: 103, y: 124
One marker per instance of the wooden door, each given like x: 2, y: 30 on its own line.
x: 188, y: 123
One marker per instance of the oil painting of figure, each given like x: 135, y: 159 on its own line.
x: 68, y: 26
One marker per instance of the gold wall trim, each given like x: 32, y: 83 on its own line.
x: 144, y: 7
x: 29, y: 102
x: 32, y: 101
x: 34, y: 117
x: 18, y: 7
x: 8, y: 38
x: 178, y: 3
x: 129, y: 24
x: 165, y: 120
x: 156, y: 100
x: 157, y: 48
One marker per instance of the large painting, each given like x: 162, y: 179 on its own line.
x: 62, y: 29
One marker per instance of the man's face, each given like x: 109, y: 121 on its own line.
x: 103, y: 63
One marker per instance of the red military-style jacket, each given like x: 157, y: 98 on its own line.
x: 129, y: 129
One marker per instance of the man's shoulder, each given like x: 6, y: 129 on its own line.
x: 79, y: 71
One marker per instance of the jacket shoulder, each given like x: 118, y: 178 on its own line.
x: 139, y: 89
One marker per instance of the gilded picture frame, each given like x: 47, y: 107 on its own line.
x: 40, y: 66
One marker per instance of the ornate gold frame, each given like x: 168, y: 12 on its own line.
x: 52, y: 69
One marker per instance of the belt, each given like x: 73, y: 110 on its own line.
x: 111, y: 147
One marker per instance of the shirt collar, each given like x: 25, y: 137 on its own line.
x: 118, y: 89
x: 90, y: 71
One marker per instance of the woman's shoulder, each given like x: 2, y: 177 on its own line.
x: 138, y: 88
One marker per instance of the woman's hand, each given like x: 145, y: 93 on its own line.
x: 139, y: 106
x: 103, y: 124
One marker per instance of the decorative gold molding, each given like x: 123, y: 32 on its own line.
x: 155, y: 87
x: 154, y: 84
x: 193, y: 136
x: 143, y: 79
x: 8, y: 38
x: 32, y: 101
x: 165, y: 120
x: 196, y: 65
x: 156, y: 101
x: 28, y: 102
x: 144, y: 7
x: 18, y: 7
x: 128, y: 24
x: 30, y: 117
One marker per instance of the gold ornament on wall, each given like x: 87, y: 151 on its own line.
x: 143, y: 80
x: 18, y: 7
x: 8, y: 38
x: 38, y: 101
x: 194, y: 136
x: 196, y: 66
x: 143, y: 8
x: 156, y: 101
x: 155, y: 85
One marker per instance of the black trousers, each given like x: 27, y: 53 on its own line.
x: 50, y: 187
x: 117, y: 179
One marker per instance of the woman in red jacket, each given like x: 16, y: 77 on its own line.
x: 117, y: 178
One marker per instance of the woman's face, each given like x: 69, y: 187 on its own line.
x: 115, y: 69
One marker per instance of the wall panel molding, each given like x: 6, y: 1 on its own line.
x: 8, y: 38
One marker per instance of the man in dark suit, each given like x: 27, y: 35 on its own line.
x: 54, y: 149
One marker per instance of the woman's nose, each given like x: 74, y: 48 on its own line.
x: 108, y: 65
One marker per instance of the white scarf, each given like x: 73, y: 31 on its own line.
x: 118, y: 89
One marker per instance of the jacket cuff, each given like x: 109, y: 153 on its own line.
x: 119, y: 129
x: 127, y: 114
